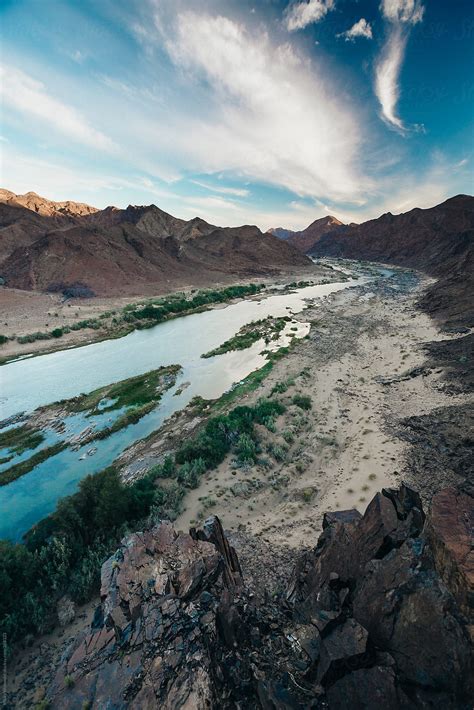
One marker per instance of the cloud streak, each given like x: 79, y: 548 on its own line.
x: 400, y: 15
x: 299, y: 15
x: 29, y: 97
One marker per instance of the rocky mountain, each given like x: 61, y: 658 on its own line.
x: 309, y: 237
x: 305, y: 239
x: 46, y: 207
x: 122, y: 251
x: 438, y: 241
x: 376, y: 615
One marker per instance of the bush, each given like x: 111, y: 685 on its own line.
x: 246, y: 449
x: 57, y: 333
x: 64, y: 552
x: 190, y: 472
x: 3, y: 339
x: 302, y: 401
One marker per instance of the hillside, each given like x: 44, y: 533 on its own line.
x: 306, y: 239
x: 438, y: 241
x: 120, y: 251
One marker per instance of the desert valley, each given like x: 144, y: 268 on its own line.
x: 351, y: 368
x: 236, y: 355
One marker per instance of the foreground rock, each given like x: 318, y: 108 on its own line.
x: 375, y: 616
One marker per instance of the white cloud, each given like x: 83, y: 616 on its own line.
x: 300, y: 14
x: 265, y: 112
x: 400, y: 15
x: 387, y: 75
x: 29, y: 97
x: 361, y: 28
x: 403, y: 11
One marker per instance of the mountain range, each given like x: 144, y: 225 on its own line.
x: 438, y: 241
x: 113, y: 251
x: 124, y: 251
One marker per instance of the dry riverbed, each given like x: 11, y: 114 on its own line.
x: 363, y: 368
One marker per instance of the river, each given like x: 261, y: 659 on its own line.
x: 32, y: 382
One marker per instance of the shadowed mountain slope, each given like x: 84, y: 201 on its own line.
x: 121, y: 251
x: 438, y: 241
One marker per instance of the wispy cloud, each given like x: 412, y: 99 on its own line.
x: 236, y: 191
x: 299, y: 15
x: 361, y: 28
x: 400, y: 16
x: 29, y: 97
x: 263, y: 101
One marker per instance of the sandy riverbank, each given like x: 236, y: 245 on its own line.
x: 348, y: 445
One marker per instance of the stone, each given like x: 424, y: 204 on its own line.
x: 365, y: 689
x: 450, y: 533
x: 344, y: 648
x: 375, y: 616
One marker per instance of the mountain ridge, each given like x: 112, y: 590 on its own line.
x: 113, y: 251
x: 438, y: 240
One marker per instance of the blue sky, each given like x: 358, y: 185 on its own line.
x: 271, y: 112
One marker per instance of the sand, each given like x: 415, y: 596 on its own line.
x: 348, y: 446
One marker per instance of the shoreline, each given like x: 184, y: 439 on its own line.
x: 363, y: 367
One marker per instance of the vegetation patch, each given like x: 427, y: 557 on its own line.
x: 267, y: 328
x: 139, y: 395
x: 64, y: 552
x: 20, y: 439
x: 302, y: 401
x: 148, y: 313
x: 19, y: 469
x: 133, y: 392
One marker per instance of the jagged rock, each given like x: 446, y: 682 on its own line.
x: 343, y: 649
x: 373, y: 618
x: 341, y: 516
x: 365, y: 689
x: 450, y: 532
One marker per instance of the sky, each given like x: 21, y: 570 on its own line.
x: 262, y: 112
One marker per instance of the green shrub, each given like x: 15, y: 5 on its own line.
x: 302, y: 401
x: 246, y: 449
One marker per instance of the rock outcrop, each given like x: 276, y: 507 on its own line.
x: 376, y: 615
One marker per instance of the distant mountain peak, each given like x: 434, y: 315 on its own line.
x: 48, y: 208
x: 305, y: 239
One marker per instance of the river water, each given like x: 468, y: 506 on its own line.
x: 29, y: 383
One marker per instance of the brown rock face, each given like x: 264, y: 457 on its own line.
x: 451, y: 535
x: 45, y: 207
x: 439, y: 241
x: 306, y: 239
x: 124, y: 251
x: 368, y: 621
x: 309, y: 237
